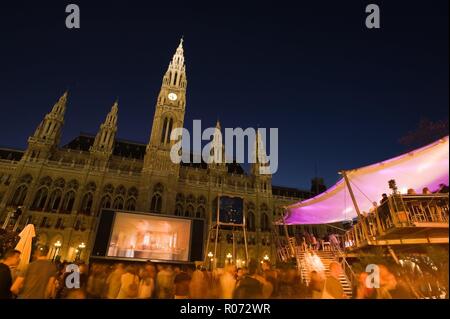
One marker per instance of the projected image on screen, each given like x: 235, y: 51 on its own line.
x: 150, y: 237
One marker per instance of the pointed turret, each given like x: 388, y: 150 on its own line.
x: 48, y: 133
x: 259, y: 156
x: 217, y: 149
x: 104, y: 140
x: 175, y: 76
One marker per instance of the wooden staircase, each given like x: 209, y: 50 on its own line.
x: 326, y: 257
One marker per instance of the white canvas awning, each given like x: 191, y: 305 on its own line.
x: 424, y: 167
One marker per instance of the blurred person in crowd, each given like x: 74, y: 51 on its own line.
x: 146, y: 284
x: 333, y: 287
x: 181, y: 285
x: 362, y: 290
x: 228, y: 282
x: 315, y: 285
x: 271, y: 276
x: 391, y: 287
x: 129, y: 284
x: 164, y: 282
x: 62, y: 290
x: 114, y: 281
x: 411, y: 191
x: 388, y: 283
x: 426, y: 191
x: 176, y: 270
x: 240, y: 273
x: 76, y: 294
x: 37, y: 281
x: 253, y: 286
x: 10, y: 259
x: 198, y: 286
x: 96, y: 281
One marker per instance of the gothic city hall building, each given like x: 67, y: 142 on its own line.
x: 62, y: 189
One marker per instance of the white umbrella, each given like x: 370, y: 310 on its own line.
x: 24, y: 245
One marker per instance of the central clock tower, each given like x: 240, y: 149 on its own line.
x: 169, y: 114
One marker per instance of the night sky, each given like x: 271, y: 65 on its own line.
x: 341, y: 95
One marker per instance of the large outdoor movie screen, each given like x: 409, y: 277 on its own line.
x: 150, y: 237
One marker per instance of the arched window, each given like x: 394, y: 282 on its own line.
x: 133, y: 192
x: 59, y: 183
x: 264, y: 219
x: 201, y: 200
x: 189, y: 211
x: 169, y: 131
x: 163, y: 132
x: 67, y: 204
x: 200, y: 212
x: 251, y: 221
x: 175, y: 78
x: 265, y: 222
x: 179, y: 206
x: 131, y: 204
x: 190, y: 199
x: 105, y: 202
x: 45, y: 181
x: 108, y: 189
x: 73, y: 184
x: 118, y: 203
x: 156, y: 203
x: 40, y: 199
x: 120, y: 190
x: 166, y: 130
x: 159, y: 188
x: 19, y: 195
x: 86, y: 204
x: 91, y: 187
x: 54, y: 200
x: 179, y: 210
x: 179, y: 198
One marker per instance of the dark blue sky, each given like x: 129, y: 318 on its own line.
x: 340, y: 94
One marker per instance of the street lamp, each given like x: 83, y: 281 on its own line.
x: 229, y: 256
x: 80, y: 249
x: 57, y: 248
x: 210, y: 256
x: 266, y: 257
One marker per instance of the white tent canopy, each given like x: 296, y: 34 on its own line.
x: 424, y: 167
x: 24, y: 245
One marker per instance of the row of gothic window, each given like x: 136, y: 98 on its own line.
x: 59, y: 196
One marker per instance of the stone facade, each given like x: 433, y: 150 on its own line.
x: 62, y: 189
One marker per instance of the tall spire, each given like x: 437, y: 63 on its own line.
x: 176, y: 72
x: 50, y: 127
x: 104, y: 140
x: 169, y: 115
x: 259, y: 155
x: 47, y: 135
x: 217, y: 150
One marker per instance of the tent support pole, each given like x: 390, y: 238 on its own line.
x: 355, y: 204
x: 286, y: 232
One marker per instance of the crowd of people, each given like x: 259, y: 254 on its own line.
x: 46, y: 279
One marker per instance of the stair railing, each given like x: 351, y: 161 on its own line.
x: 346, y: 268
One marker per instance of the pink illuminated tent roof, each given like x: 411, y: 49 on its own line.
x: 425, y: 167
